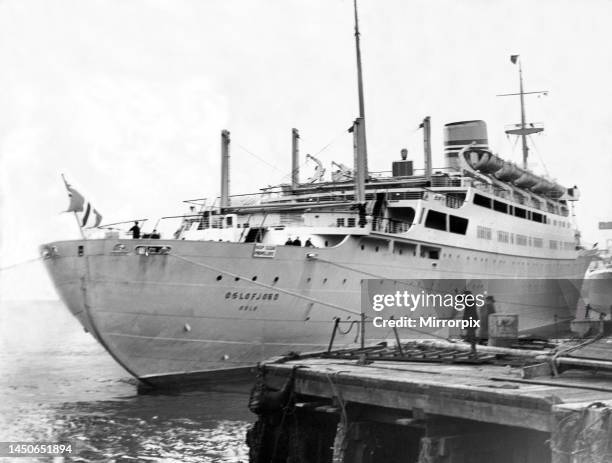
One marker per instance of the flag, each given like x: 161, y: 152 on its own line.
x: 514, y: 58
x: 87, y: 216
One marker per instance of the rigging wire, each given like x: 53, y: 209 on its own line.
x: 19, y: 264
x: 539, y: 156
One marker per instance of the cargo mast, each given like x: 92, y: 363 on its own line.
x: 522, y: 129
x: 359, y: 133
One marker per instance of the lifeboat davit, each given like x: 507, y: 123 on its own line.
x: 509, y: 172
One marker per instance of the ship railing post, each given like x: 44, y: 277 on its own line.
x: 397, y: 339
x: 333, y: 336
x: 362, y: 326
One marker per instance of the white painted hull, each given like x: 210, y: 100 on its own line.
x: 169, y: 316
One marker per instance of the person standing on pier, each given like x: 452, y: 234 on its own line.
x: 487, y: 309
x: 470, y: 314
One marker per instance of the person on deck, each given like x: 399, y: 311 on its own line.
x: 135, y: 231
x: 297, y: 242
x: 289, y: 242
x: 308, y: 244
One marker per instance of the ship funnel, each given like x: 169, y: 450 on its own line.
x: 458, y: 135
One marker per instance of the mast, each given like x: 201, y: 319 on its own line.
x: 522, y: 129
x: 225, y: 142
x: 427, y: 146
x: 358, y: 129
x: 523, y: 134
x: 295, y: 154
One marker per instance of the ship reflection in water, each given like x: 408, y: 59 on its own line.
x: 58, y: 384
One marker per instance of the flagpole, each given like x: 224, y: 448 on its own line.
x: 76, y: 217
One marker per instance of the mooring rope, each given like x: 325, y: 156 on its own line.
x: 19, y: 264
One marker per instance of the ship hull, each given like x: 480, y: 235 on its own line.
x: 213, y: 309
x: 598, y: 290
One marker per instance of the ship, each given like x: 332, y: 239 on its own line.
x: 597, y: 289
x: 249, y: 277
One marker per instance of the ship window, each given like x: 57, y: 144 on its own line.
x: 436, y: 220
x: 457, y: 225
x: 484, y: 232
x: 521, y: 240
x: 430, y: 252
x: 503, y: 236
x: 500, y: 207
x: 409, y: 248
x: 350, y: 222
x: 80, y: 251
x: 340, y: 222
x: 481, y: 200
x: 537, y: 217
x: 520, y: 212
x: 537, y: 242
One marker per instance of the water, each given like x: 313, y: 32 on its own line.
x: 58, y: 384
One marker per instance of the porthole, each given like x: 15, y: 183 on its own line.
x: 219, y: 278
x: 254, y: 278
x: 344, y: 281
x: 237, y: 279
x: 308, y: 280
x: 324, y: 280
x: 275, y: 279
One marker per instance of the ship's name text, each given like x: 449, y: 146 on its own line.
x: 251, y: 296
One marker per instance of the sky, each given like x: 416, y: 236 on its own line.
x: 127, y: 98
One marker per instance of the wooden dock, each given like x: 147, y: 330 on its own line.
x: 325, y: 408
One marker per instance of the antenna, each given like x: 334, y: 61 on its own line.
x: 522, y: 129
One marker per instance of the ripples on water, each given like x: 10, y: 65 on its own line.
x: 57, y: 384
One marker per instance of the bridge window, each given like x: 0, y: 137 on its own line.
x: 520, y: 212
x: 457, y: 225
x: 436, y: 220
x: 481, y: 200
x: 500, y: 207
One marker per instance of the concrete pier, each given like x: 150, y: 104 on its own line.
x: 367, y: 407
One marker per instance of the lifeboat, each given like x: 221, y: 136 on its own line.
x: 483, y: 161
x: 508, y: 173
x: 526, y: 180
